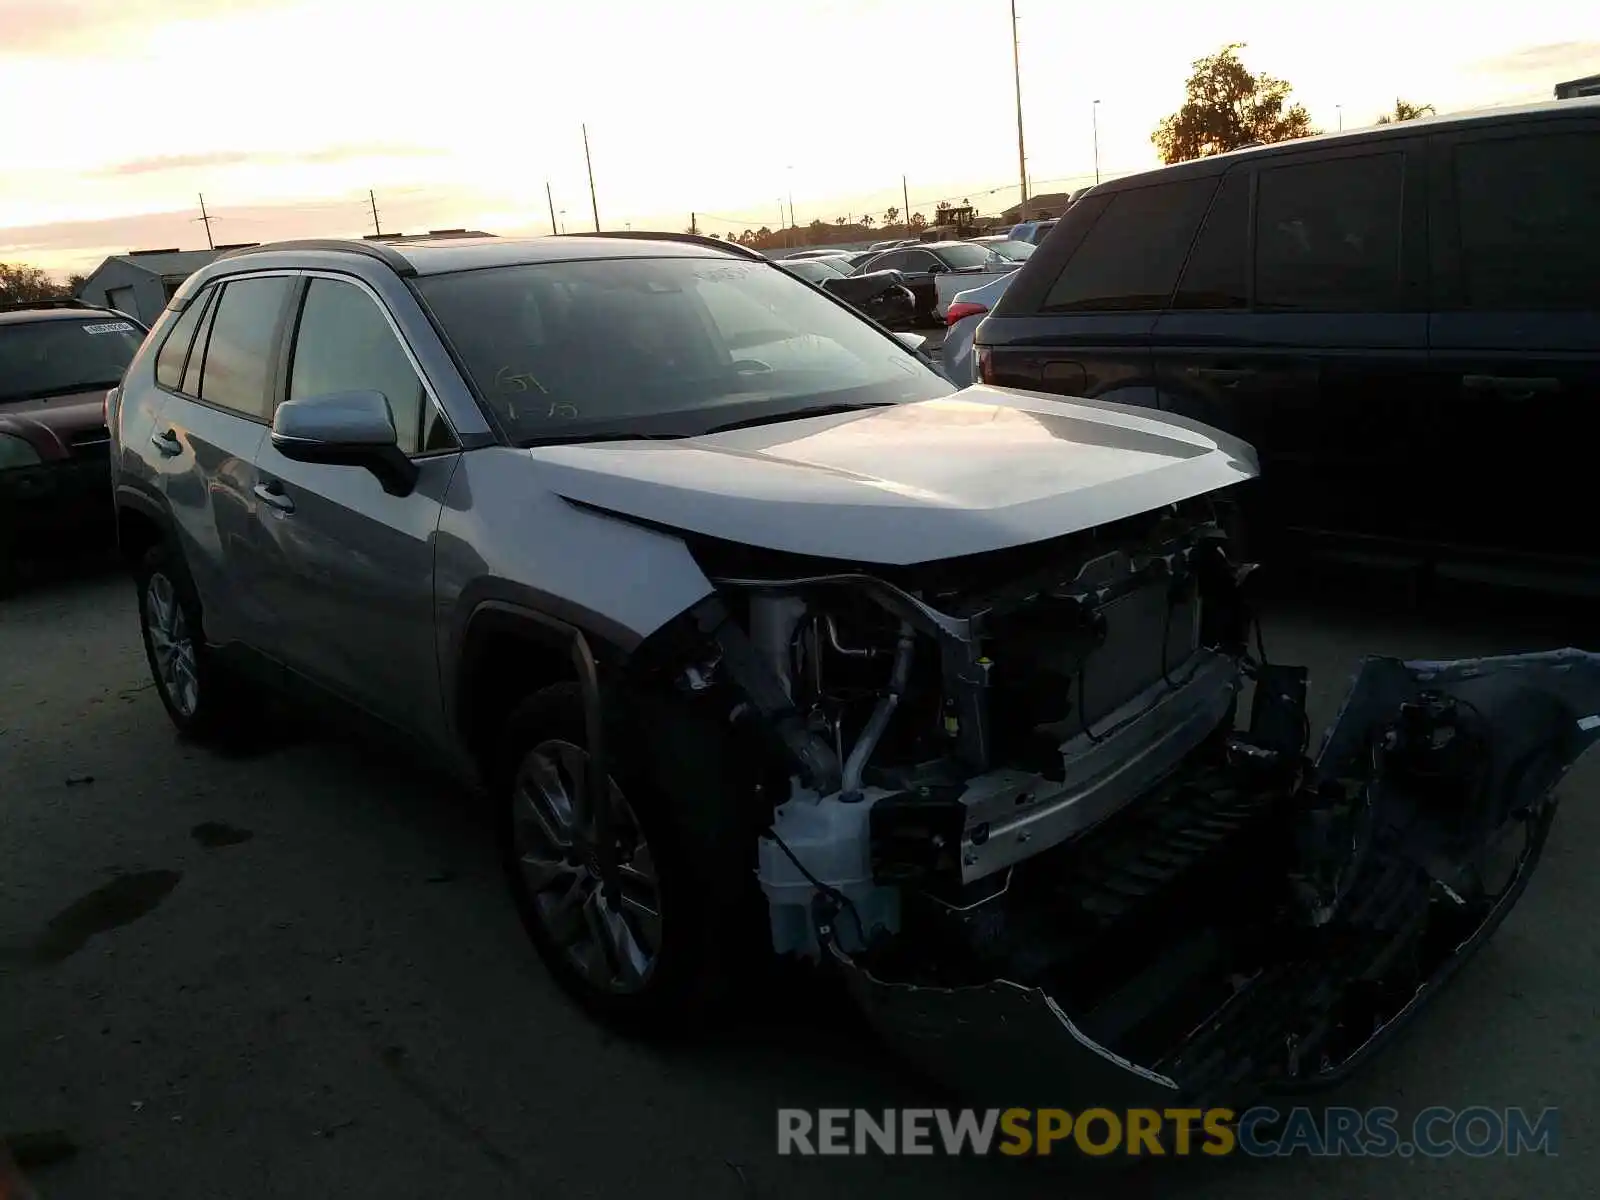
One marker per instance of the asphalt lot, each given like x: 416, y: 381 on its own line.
x: 318, y: 988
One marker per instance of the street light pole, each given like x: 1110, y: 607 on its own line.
x: 1339, y: 108
x: 1022, y: 157
x: 1095, y: 109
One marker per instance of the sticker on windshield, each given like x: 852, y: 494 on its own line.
x: 109, y: 327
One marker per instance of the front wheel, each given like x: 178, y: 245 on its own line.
x: 644, y: 950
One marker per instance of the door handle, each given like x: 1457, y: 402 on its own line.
x: 271, y: 494
x: 1512, y: 385
x: 1226, y: 376
x: 167, y: 443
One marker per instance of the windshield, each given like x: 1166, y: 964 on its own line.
x: 56, y: 358
x: 665, y: 347
x: 814, y: 270
x: 1012, y: 251
x: 965, y: 254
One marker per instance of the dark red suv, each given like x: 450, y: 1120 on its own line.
x: 57, y: 361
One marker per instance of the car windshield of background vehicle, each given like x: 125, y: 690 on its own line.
x: 813, y: 270
x: 666, y: 347
x: 966, y: 255
x: 1011, y: 251
x: 58, y: 358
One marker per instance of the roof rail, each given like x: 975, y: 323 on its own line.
x: 693, y: 239
x: 385, y: 254
x: 58, y: 302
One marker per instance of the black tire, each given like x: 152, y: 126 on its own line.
x: 212, y: 713
x: 702, y: 852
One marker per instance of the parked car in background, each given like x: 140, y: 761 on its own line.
x: 965, y: 313
x: 881, y: 295
x: 1032, y: 232
x: 923, y: 264
x: 1005, y: 246
x: 57, y: 361
x: 891, y: 244
x: 815, y: 254
x: 1404, y: 320
x: 741, y: 617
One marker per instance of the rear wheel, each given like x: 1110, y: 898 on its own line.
x: 199, y: 696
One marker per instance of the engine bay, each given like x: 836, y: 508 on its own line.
x: 1027, y: 809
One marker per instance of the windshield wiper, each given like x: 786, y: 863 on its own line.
x: 799, y: 414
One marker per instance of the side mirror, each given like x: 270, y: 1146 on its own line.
x: 353, y: 429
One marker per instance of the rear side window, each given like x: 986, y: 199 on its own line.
x: 1218, y: 271
x: 1130, y: 258
x: 175, y: 350
x: 1530, y: 222
x: 886, y: 262
x: 238, y: 359
x: 1328, y: 235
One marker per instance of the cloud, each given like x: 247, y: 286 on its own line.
x: 1554, y: 62
x: 234, y: 158
x: 74, y: 27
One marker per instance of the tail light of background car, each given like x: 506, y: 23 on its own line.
x: 963, y: 308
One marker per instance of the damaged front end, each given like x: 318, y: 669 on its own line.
x: 1257, y: 927
x: 1005, y: 796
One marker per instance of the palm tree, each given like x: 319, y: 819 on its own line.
x: 1404, y: 110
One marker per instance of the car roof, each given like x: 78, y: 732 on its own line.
x: 443, y: 255
x: 1217, y: 163
x: 27, y: 316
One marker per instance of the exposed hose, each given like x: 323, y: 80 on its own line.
x: 899, y: 674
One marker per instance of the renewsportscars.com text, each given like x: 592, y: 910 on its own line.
x: 1259, y: 1132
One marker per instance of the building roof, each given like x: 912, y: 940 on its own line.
x: 166, y: 263
x: 1054, y: 203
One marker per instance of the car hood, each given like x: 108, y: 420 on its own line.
x: 980, y: 470
x: 49, y: 423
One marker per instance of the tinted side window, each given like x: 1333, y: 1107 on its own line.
x: 1130, y: 258
x: 1530, y: 222
x: 886, y: 262
x: 1328, y: 235
x: 1218, y: 271
x: 345, y: 344
x: 175, y: 350
x: 918, y: 261
x: 197, y: 352
x: 238, y: 360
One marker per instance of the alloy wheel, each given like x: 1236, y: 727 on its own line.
x: 611, y: 936
x: 172, y: 647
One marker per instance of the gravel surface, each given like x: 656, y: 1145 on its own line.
x: 295, y: 974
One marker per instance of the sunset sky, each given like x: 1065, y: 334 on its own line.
x: 284, y: 112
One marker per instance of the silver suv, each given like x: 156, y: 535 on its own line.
x: 765, y: 639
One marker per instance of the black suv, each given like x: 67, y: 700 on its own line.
x: 1404, y: 320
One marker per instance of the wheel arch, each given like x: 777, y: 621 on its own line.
x: 141, y: 523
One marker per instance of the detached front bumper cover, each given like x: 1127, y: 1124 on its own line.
x: 1384, y: 921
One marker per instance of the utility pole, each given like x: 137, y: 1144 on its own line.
x: 373, y: 201
x: 1340, y: 109
x: 551, y: 202
x: 205, y: 219
x: 905, y: 198
x: 1022, y: 156
x: 593, y: 203
x: 694, y: 225
x: 1096, y: 111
